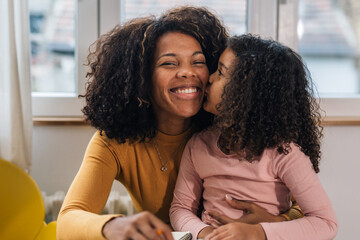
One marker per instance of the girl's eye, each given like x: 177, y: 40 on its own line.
x: 199, y: 62
x: 220, y: 72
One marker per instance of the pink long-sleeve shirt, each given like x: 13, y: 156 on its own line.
x: 206, y: 171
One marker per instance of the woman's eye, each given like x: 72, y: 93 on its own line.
x: 220, y: 72
x: 200, y: 62
x: 168, y: 64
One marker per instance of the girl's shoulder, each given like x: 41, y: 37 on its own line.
x: 291, y: 157
x: 204, y: 141
x: 205, y: 136
x: 291, y: 149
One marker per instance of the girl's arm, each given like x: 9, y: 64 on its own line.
x: 187, y: 194
x: 319, y: 222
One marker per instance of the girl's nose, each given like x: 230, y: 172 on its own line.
x: 211, y: 78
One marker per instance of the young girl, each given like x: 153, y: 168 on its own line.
x: 264, y: 145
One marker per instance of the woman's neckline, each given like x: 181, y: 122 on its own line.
x: 161, y: 136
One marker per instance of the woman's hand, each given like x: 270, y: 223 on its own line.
x: 140, y: 226
x: 237, y: 231
x: 253, y: 213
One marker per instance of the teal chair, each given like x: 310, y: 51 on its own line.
x: 22, y: 210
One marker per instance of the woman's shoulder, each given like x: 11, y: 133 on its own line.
x: 110, y: 151
x: 101, y: 137
x: 101, y: 140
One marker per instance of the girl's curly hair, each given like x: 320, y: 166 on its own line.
x: 268, y: 102
x: 117, y: 94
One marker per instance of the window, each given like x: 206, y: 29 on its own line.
x: 52, y: 27
x: 232, y: 12
x: 61, y: 32
x: 329, y: 41
x: 326, y: 34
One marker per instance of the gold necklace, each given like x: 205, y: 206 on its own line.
x: 164, y: 165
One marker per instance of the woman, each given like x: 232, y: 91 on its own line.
x: 147, y: 85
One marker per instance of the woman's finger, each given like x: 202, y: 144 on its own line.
x: 160, y: 227
x: 135, y: 235
x: 220, y: 217
x: 148, y: 231
x: 239, y: 204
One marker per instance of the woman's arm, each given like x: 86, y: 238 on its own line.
x: 254, y: 214
x: 80, y: 218
x: 142, y: 225
x: 187, y: 194
x: 294, y: 212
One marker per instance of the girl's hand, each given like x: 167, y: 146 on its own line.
x: 140, y: 226
x: 253, y: 213
x: 204, y: 232
x: 237, y: 231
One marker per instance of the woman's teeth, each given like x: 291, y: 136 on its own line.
x: 185, y: 90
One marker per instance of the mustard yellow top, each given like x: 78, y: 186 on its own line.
x: 136, y: 165
x: 294, y: 212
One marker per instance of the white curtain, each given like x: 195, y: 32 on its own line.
x: 15, y: 85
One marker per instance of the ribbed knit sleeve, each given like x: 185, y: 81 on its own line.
x: 79, y: 216
x: 319, y: 222
x: 187, y: 194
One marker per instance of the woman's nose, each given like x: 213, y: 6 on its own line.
x: 186, y: 72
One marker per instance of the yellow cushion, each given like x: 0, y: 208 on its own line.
x: 22, y: 210
x: 48, y: 232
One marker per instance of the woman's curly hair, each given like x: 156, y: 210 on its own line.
x: 268, y: 102
x: 121, y: 61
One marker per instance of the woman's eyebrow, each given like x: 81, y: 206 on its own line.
x: 197, y: 52
x: 167, y: 55
x: 174, y: 55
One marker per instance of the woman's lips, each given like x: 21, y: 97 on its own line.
x: 186, y: 92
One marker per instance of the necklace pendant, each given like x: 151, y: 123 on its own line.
x: 163, y: 168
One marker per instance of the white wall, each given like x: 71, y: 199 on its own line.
x: 58, y: 152
x: 340, y: 175
x: 57, y: 155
